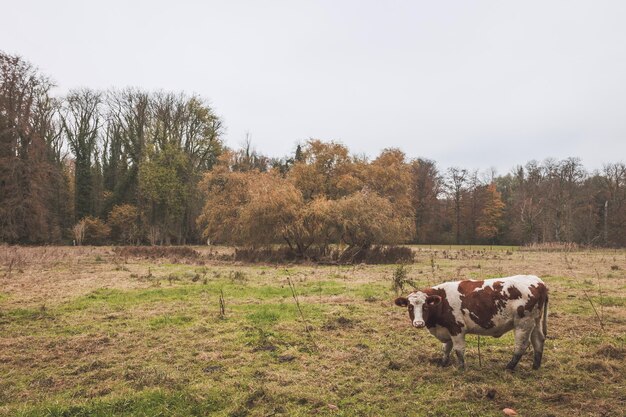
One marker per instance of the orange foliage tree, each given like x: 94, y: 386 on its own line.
x: 490, y: 214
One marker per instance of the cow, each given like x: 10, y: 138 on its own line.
x: 490, y: 307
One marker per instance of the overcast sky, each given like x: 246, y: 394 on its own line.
x: 477, y: 84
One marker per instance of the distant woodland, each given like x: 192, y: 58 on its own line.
x: 136, y: 167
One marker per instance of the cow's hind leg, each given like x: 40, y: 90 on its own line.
x: 523, y: 329
x: 537, y: 338
x: 447, y: 348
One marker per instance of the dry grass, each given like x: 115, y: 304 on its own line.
x: 84, y: 331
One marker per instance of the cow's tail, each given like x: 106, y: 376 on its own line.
x: 544, y: 321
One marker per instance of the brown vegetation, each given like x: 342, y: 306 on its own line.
x: 133, y: 167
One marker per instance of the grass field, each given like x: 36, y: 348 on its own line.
x: 86, y: 333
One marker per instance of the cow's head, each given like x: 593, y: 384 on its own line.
x: 422, y: 307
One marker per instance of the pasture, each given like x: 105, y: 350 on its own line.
x: 87, y: 332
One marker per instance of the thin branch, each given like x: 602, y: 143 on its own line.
x: 292, y: 287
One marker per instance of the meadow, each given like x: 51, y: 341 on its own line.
x: 85, y: 331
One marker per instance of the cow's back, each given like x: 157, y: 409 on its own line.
x: 493, y: 306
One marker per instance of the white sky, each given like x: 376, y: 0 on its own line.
x: 472, y: 83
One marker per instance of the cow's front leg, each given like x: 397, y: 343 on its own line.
x: 447, y: 348
x: 522, y: 340
x: 458, y: 344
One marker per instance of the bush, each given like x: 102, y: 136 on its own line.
x: 270, y: 255
x: 123, y: 223
x: 374, y: 255
x: 283, y: 254
x: 158, y: 252
x: 400, y: 279
x: 96, y: 231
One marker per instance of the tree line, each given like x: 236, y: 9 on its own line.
x: 136, y: 167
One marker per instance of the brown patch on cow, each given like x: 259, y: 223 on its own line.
x: 411, y: 312
x: 485, y: 303
x: 514, y: 293
x: 401, y: 302
x: 520, y: 311
x: 538, y: 297
x: 440, y: 313
x: 468, y: 286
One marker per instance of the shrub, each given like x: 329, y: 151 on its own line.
x: 96, y: 231
x: 389, y: 255
x: 400, y: 279
x: 270, y: 255
x: 158, y: 252
x: 123, y: 223
x: 379, y: 254
x: 283, y: 254
x: 365, y: 218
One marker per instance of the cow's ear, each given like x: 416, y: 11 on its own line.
x: 433, y: 300
x: 402, y: 302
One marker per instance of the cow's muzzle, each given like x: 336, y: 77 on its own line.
x: 418, y: 324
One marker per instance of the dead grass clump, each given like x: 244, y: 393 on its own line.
x: 12, y: 259
x: 92, y: 366
x: 338, y: 323
x: 237, y: 277
x: 264, y: 342
x: 611, y: 352
x: 551, y: 247
x: 158, y: 252
x: 598, y: 367
x: 149, y: 377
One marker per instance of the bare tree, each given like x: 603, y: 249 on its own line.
x: 456, y: 183
x: 81, y: 120
x: 28, y: 174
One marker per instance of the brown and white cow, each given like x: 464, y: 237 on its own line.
x: 491, y: 307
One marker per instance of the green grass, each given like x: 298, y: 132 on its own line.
x: 149, y: 403
x: 170, y: 320
x: 151, y: 347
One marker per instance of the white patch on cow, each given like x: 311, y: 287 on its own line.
x: 503, y: 321
x: 417, y: 299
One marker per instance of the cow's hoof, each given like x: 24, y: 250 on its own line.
x: 444, y: 364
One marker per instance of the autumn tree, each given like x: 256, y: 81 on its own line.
x: 316, y: 225
x: 389, y: 175
x: 249, y: 208
x: 96, y: 231
x: 123, y: 223
x: 365, y: 218
x: 491, y: 211
x: 326, y: 170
